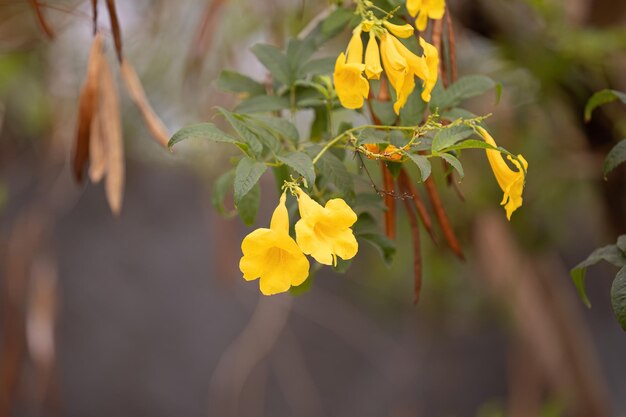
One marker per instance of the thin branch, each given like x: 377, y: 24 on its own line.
x: 442, y: 218
x: 407, y: 186
x: 43, y: 24
x: 115, y: 28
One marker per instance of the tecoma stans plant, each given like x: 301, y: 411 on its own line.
x: 403, y: 82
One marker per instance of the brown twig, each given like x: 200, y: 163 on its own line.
x: 43, y: 24
x: 442, y: 218
x: 407, y: 186
x: 454, y: 74
x: 115, y: 28
x: 390, y: 202
x: 415, y: 237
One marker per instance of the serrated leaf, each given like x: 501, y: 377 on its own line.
x: 609, y: 253
x: 279, y: 126
x: 262, y: 104
x: 616, y: 157
x: 464, y: 88
x: 247, y: 174
x: 235, y: 82
x: 471, y: 144
x: 267, y: 138
x: 368, y: 136
x: 274, y: 60
x: 618, y: 297
x: 423, y: 164
x: 201, y: 131
x: 302, y: 164
x: 220, y: 189
x: 242, y: 130
x: 600, y: 98
x: 456, y: 164
x: 448, y: 136
x: 248, y: 206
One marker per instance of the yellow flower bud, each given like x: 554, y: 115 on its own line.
x: 401, y: 31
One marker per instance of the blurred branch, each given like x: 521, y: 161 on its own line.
x: 41, y: 20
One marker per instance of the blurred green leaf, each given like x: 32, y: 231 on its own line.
x: 247, y: 174
x: 333, y: 171
x: 464, y: 88
x: 279, y: 126
x: 206, y: 131
x: 248, y: 206
x: 320, y: 66
x: 600, y: 98
x: 616, y: 156
x: 303, y: 288
x: 413, y: 111
x: 336, y: 21
x: 609, y: 253
x: 242, y: 130
x: 618, y: 297
x: 222, y: 185
x: 369, y: 136
x: 383, y: 110
x: 262, y: 104
x: 274, y: 60
x: 302, y: 164
x: 235, y: 82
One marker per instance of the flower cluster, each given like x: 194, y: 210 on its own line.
x: 400, y: 65
x: 279, y: 261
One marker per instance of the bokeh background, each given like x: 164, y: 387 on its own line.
x: 146, y: 314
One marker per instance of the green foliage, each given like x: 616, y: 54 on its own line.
x: 615, y: 255
x: 302, y: 164
x: 616, y: 156
x: 235, y: 82
x: 449, y: 136
x: 247, y: 175
x: 207, y: 131
x: 600, y: 98
x: 464, y: 88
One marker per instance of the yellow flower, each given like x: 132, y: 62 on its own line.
x: 398, y: 70
x: 401, y: 31
x: 425, y: 9
x: 324, y: 232
x: 352, y: 88
x: 431, y: 58
x: 511, y: 182
x: 372, y: 59
x: 273, y: 256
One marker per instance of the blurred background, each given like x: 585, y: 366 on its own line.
x: 146, y: 314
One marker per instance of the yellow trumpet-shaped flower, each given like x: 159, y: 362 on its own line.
x: 398, y: 69
x: 511, y: 182
x: 372, y: 59
x: 273, y: 256
x: 425, y: 9
x: 401, y: 31
x: 352, y: 88
x: 431, y: 58
x: 324, y: 232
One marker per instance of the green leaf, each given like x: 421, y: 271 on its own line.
x: 471, y: 144
x: 333, y: 171
x: 202, y: 131
x: 248, y: 206
x: 456, y: 164
x: 383, y: 110
x: 235, y: 82
x: 368, y: 202
x: 394, y: 168
x: 262, y: 104
x: 274, y: 60
x: 220, y: 188
x: 319, y: 125
x: 247, y: 174
x: 279, y: 126
x: 422, y: 163
x: 621, y: 243
x: 609, y: 253
x: 618, y: 297
x: 616, y: 156
x: 367, y: 229
x: 267, y: 138
x: 600, y: 98
x: 336, y: 21
x: 298, y: 54
x: 413, y: 111
x: 242, y: 130
x: 320, y: 66
x: 464, y: 88
x: 302, y: 164
x: 448, y: 136
x: 303, y: 288
x: 368, y: 136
